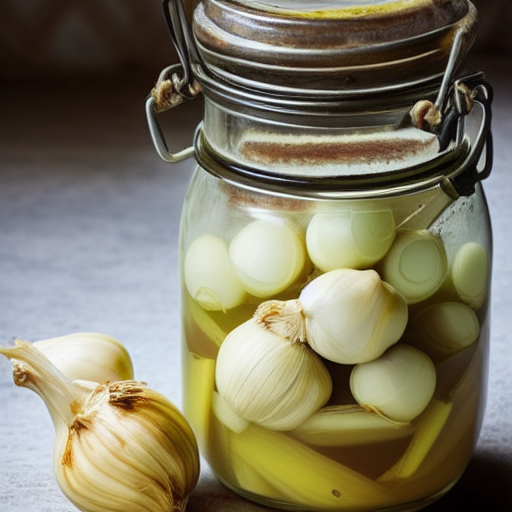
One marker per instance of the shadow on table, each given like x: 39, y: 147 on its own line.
x: 485, y: 486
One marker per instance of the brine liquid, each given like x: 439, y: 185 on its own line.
x: 372, y: 476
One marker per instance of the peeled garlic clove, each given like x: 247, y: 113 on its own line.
x: 398, y: 385
x: 226, y: 415
x: 268, y: 379
x: 416, y: 265
x: 267, y: 257
x: 121, y: 448
x: 91, y: 356
x: 352, y: 316
x: 349, y: 239
x: 470, y: 274
x: 444, y: 328
x: 209, y: 276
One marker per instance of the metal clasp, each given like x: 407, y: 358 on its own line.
x: 468, y: 92
x: 168, y: 93
x: 176, y: 83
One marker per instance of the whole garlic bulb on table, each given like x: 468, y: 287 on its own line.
x: 121, y: 447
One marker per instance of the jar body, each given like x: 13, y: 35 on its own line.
x: 348, y: 465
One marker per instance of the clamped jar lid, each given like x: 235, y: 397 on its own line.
x: 366, y: 66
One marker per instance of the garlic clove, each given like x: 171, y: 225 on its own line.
x: 444, y: 329
x: 397, y: 385
x: 226, y: 415
x: 349, y: 239
x: 88, y: 356
x: 470, y: 274
x: 416, y: 265
x: 209, y: 276
x: 268, y: 379
x: 349, y: 425
x: 352, y: 316
x: 122, y: 447
x: 267, y: 257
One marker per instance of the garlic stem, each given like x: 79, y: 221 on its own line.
x: 33, y: 370
x: 284, y: 318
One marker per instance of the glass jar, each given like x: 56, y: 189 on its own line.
x: 335, y: 248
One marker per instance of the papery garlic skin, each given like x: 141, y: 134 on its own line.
x: 352, y: 316
x: 88, y: 356
x: 268, y: 379
x: 267, y: 257
x: 399, y: 384
x: 130, y: 449
x: 209, y: 275
x: 120, y: 448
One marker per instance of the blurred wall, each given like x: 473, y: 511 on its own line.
x: 83, y: 37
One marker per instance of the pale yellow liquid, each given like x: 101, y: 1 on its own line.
x: 401, y: 474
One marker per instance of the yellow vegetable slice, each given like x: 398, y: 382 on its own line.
x: 429, y: 426
x: 205, y: 330
x: 231, y: 469
x: 307, y: 478
x: 349, y: 425
x: 199, y: 380
x: 203, y: 335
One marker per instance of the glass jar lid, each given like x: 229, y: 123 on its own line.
x: 327, y: 48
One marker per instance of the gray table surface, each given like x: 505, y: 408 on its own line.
x: 89, y: 220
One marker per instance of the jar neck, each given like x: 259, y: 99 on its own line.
x: 437, y: 172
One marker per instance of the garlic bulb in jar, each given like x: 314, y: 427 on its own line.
x: 268, y: 379
x: 352, y: 316
x: 267, y: 257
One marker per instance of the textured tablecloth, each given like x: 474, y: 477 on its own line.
x: 89, y: 220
